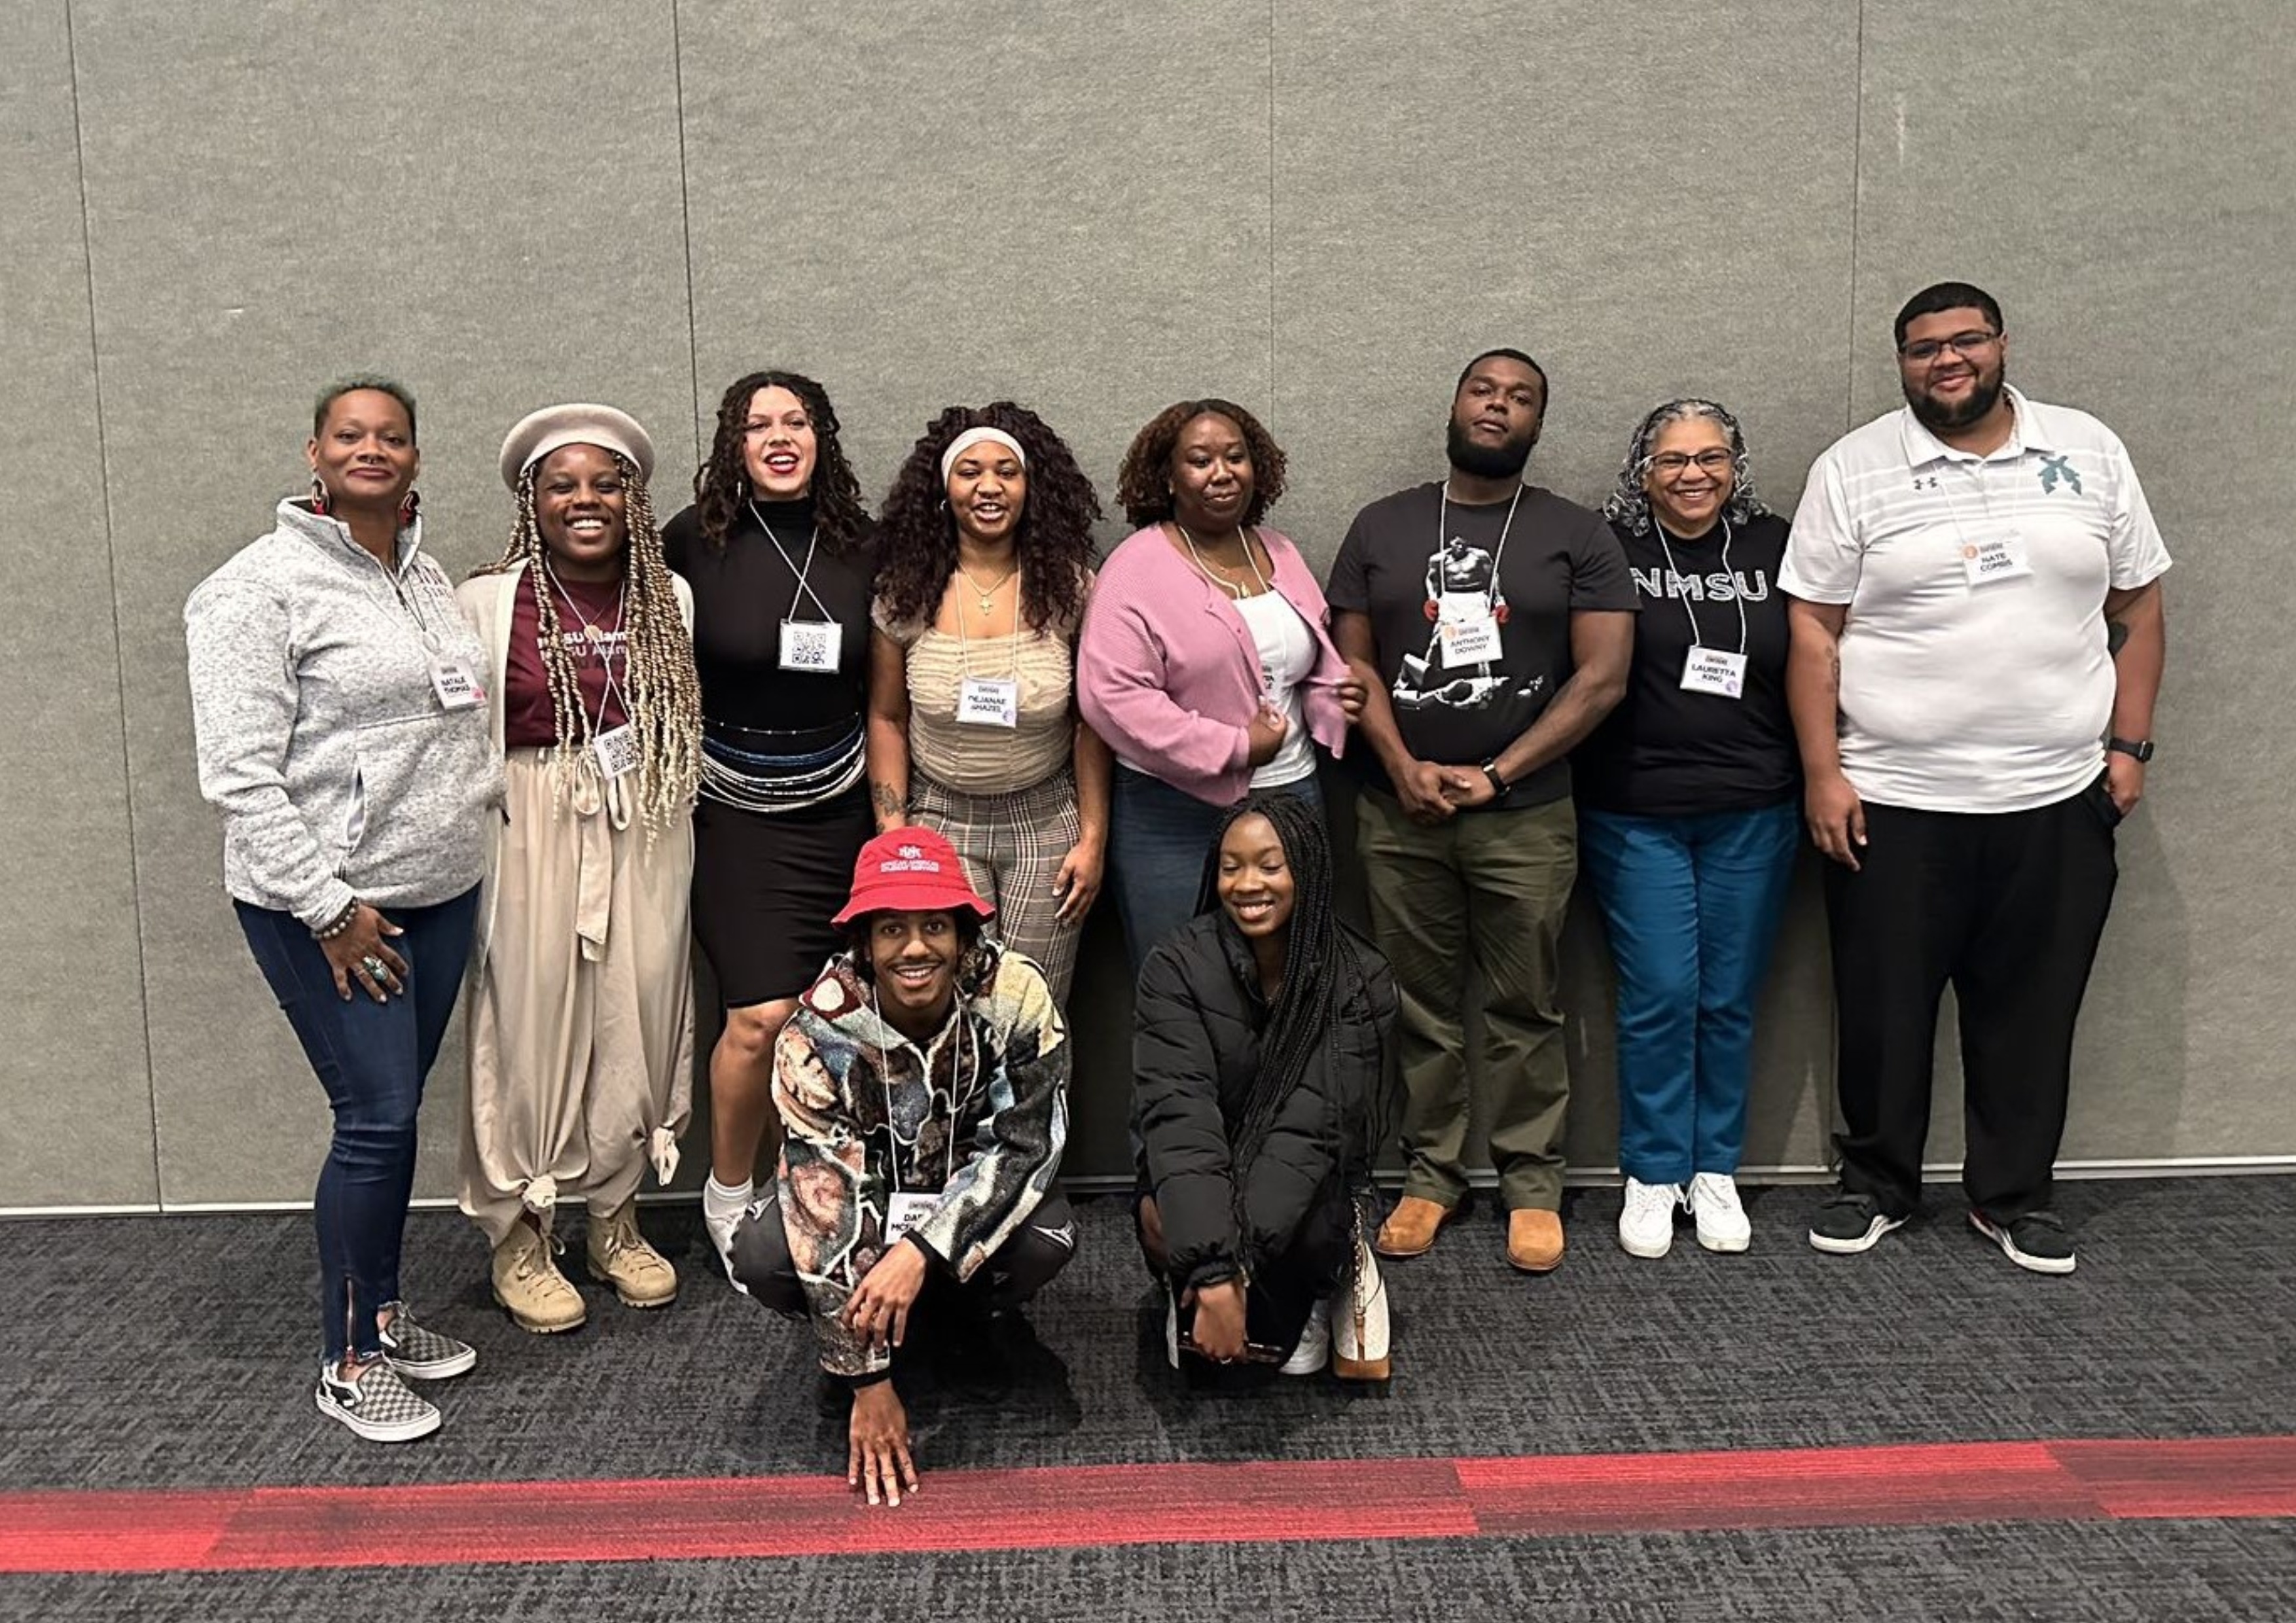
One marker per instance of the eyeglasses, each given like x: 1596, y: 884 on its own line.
x: 1966, y: 344
x: 1714, y: 460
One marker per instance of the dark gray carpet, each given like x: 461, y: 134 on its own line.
x: 173, y: 1352
x: 2126, y: 1573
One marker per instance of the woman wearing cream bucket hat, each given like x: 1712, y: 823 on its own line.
x: 581, y: 1018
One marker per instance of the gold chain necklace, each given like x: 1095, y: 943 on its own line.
x: 988, y: 596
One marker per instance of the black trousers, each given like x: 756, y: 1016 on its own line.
x: 2007, y: 908
x: 1040, y: 1249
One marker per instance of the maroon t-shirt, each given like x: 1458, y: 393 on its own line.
x: 529, y: 721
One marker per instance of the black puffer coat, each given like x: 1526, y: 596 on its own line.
x: 1196, y: 1045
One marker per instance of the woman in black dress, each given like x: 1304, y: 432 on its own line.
x: 782, y: 558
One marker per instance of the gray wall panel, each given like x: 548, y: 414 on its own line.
x: 469, y: 229
x: 2116, y: 175
x: 75, y: 1078
x: 1612, y: 234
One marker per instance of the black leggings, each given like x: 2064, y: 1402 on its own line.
x: 1040, y: 1249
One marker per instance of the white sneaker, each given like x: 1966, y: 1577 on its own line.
x: 1646, y: 1221
x: 1722, y: 1225
x: 1171, y: 1330
x: 1315, y: 1348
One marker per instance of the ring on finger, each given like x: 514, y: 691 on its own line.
x: 373, y: 966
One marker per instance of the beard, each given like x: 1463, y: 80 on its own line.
x: 1503, y: 460
x: 1936, y: 416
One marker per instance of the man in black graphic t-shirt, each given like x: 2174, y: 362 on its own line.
x: 1490, y: 621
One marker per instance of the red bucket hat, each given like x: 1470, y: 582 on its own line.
x: 910, y: 870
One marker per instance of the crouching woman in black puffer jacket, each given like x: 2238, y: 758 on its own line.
x: 1257, y: 1080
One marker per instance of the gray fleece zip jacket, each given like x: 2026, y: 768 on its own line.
x: 321, y: 739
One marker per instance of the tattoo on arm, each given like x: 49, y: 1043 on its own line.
x: 888, y: 803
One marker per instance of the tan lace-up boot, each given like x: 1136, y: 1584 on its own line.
x: 621, y: 1257
x: 528, y: 1286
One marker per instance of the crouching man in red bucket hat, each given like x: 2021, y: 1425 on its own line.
x: 923, y: 1086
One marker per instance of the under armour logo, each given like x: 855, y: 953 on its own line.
x: 2055, y: 468
x: 1929, y: 483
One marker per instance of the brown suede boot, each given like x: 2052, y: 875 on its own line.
x: 528, y: 1286
x: 1534, y: 1240
x: 1410, y: 1228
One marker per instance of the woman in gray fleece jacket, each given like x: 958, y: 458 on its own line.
x: 338, y: 700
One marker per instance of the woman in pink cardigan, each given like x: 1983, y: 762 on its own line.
x: 1204, y: 662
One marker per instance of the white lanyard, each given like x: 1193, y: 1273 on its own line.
x: 1442, y: 537
x: 989, y: 700
x: 596, y: 640
x: 800, y: 571
x: 1696, y: 638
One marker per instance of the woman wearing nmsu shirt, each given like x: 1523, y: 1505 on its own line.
x: 1689, y: 817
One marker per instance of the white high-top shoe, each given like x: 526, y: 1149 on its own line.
x: 1359, y: 1323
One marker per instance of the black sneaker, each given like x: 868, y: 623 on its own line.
x: 2036, y: 1241
x: 1850, y: 1223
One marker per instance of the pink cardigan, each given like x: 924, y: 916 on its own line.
x: 1168, y: 675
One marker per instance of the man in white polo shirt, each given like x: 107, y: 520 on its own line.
x: 1977, y: 642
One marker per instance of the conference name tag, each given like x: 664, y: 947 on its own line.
x: 988, y: 701
x: 812, y: 645
x: 903, y: 1212
x: 617, y: 751
x: 1472, y: 640
x: 455, y: 683
x: 1995, y: 558
x: 1714, y: 670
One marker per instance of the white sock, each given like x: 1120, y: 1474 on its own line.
x: 721, y: 1203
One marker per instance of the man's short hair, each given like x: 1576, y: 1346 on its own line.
x: 1947, y: 296
x: 1545, y: 396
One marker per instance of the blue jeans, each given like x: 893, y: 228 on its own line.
x: 372, y: 1059
x: 1692, y: 905
x: 1159, y: 839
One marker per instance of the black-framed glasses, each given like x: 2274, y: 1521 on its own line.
x: 1966, y: 344
x: 1714, y: 460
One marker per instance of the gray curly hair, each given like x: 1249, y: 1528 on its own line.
x: 1629, y: 501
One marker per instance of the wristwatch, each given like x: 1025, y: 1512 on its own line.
x: 1499, y: 785
x: 2139, y: 748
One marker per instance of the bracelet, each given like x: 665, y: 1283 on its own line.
x: 342, y: 922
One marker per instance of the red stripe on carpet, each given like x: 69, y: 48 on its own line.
x: 1083, y: 1507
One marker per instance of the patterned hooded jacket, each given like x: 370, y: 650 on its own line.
x: 980, y: 1114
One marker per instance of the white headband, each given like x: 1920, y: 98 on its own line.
x: 973, y: 437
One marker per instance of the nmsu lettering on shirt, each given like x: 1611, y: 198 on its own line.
x: 1716, y: 588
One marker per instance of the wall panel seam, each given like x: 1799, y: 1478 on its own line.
x: 1274, y: 413
x: 685, y: 226
x: 1856, y: 196
x: 111, y: 576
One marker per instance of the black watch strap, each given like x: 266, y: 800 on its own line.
x: 1499, y: 785
x: 2139, y: 748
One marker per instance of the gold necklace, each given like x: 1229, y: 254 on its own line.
x: 1235, y: 589
x: 988, y: 596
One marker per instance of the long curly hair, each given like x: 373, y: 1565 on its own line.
x: 1143, y: 484
x: 721, y: 484
x: 1629, y: 501
x: 657, y: 673
x: 1053, y: 546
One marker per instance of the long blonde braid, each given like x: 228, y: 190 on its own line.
x: 663, y: 690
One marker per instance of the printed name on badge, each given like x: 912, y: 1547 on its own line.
x: 456, y: 685
x: 1718, y: 671
x: 988, y: 701
x: 1994, y: 558
x: 903, y: 1212
x: 1472, y: 641
x: 811, y: 645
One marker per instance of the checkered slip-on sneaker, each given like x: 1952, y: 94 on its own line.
x: 422, y: 1353
x: 378, y: 1405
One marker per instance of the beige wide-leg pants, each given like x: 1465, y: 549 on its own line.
x: 580, y: 1007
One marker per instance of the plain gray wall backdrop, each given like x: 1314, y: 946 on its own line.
x: 1321, y: 210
